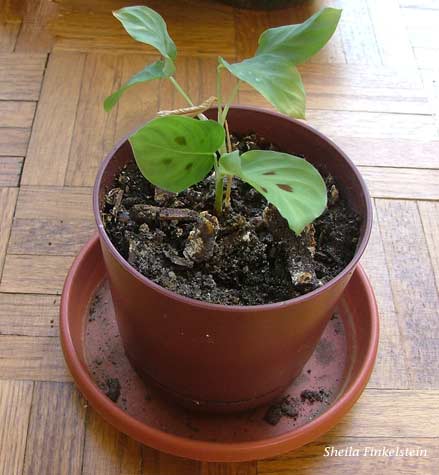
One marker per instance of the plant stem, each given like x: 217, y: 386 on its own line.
x: 219, y: 190
x: 229, y: 177
x: 219, y: 93
x: 181, y: 90
x: 229, y: 102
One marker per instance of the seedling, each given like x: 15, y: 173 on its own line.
x: 175, y: 152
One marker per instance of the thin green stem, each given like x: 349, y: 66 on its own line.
x: 181, y: 90
x: 219, y: 190
x: 229, y: 102
x: 219, y: 92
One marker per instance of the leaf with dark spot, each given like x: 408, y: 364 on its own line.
x: 290, y: 183
x: 188, y: 144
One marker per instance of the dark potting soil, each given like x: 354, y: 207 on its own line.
x: 246, y: 256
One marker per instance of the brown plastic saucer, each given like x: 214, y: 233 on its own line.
x: 329, y: 385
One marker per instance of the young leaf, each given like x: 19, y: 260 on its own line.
x: 290, y: 183
x: 297, y: 43
x: 272, y: 70
x: 277, y: 80
x: 176, y: 152
x: 147, y: 26
x: 153, y: 71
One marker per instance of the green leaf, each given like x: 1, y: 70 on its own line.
x: 290, y: 183
x: 152, y: 71
x: 176, y: 152
x: 297, y: 43
x: 278, y: 81
x: 147, y: 26
x: 272, y: 71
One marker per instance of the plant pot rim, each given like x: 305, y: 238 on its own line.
x: 238, y: 308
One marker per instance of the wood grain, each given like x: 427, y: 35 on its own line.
x: 47, y: 158
x: 35, y: 274
x: 34, y: 358
x: 56, y: 430
x: 413, y: 286
x: 8, y: 36
x: 392, y: 369
x: 13, y: 141
x: 16, y: 113
x: 94, y: 131
x: 402, y: 183
x: 311, y: 459
x: 50, y: 237
x: 10, y: 170
x: 139, y: 103
x: 402, y: 413
x: 108, y: 451
x: 8, y: 198
x: 244, y: 468
x: 55, y: 203
x: 429, y: 212
x: 393, y: 43
x: 29, y: 315
x: 15, y: 404
x: 21, y: 76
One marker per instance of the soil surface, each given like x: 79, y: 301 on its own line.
x: 246, y: 256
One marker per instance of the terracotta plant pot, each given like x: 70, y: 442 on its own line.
x: 228, y: 358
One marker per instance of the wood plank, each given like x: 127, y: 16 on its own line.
x: 10, y: 171
x: 347, y: 98
x: 358, y: 39
x: 36, y: 358
x: 35, y: 274
x: 94, y: 131
x: 402, y: 183
x: 403, y: 77
x: 244, y: 468
x: 421, y: 4
x: 393, y: 42
x: 392, y: 369
x: 56, y: 430
x: 374, y: 124
x: 426, y: 58
x: 108, y: 451
x: 15, y: 404
x: 16, y: 113
x: 8, y: 35
x: 8, y: 198
x: 388, y: 152
x: 360, y: 123
x: 408, y: 413
x: 13, y: 141
x: 48, y: 154
x: 312, y: 459
x: 58, y: 203
x: 21, y: 76
x: 35, y: 35
x: 413, y: 285
x: 50, y: 237
x: 211, y: 29
x: 170, y: 465
x: 429, y: 212
x: 140, y: 102
x: 29, y: 315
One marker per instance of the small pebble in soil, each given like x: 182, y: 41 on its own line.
x: 285, y: 407
x: 314, y: 396
x: 113, y: 389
